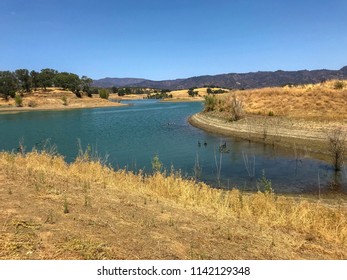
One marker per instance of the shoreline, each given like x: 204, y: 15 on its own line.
x: 308, y: 137
x: 178, y: 100
x: 15, y: 110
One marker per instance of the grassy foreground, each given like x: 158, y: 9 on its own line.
x: 50, y: 209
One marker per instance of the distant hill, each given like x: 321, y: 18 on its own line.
x: 117, y: 82
x: 232, y: 80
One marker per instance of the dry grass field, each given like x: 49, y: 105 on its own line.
x: 182, y: 95
x: 85, y: 210
x: 313, y: 101
x: 54, y: 99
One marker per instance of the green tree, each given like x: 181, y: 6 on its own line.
x: 192, y: 93
x: 86, y: 85
x: 74, y: 84
x: 24, y: 79
x: 139, y: 91
x: 127, y: 90
x: 68, y: 81
x: 62, y: 80
x: 114, y: 89
x: 35, y: 79
x: 121, y: 92
x: 46, y: 77
x: 8, y: 84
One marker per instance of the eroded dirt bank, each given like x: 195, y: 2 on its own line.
x: 296, y: 134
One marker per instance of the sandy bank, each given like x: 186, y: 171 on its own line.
x: 56, y: 103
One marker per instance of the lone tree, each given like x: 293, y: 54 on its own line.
x: 192, y: 93
x: 337, y: 147
x: 86, y: 85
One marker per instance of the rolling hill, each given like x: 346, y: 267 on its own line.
x: 231, y: 80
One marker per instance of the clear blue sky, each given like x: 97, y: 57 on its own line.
x: 159, y: 39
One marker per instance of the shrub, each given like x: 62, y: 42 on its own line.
x: 210, y: 103
x: 103, y: 93
x: 32, y: 104
x: 271, y: 114
x: 18, y: 100
x: 236, y: 109
x: 339, y: 85
x: 156, y: 164
x: 265, y: 184
x: 192, y: 93
x: 64, y: 99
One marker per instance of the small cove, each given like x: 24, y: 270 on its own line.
x: 131, y: 136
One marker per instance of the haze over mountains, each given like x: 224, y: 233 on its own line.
x: 231, y: 80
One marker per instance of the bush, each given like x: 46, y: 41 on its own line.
x: 64, y: 99
x: 265, y: 184
x: 339, y: 85
x: 32, y: 104
x: 236, y: 109
x: 210, y: 103
x: 103, y: 93
x: 156, y: 164
x: 192, y: 93
x: 271, y: 114
x: 18, y: 101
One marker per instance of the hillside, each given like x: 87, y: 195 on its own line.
x: 84, y: 210
x: 296, y: 117
x: 232, y: 80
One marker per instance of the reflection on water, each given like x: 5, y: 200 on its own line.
x: 131, y: 136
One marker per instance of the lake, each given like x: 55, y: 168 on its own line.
x: 131, y: 136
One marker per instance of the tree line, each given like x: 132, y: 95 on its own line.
x: 24, y: 80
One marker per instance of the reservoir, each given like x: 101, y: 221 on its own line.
x: 130, y: 136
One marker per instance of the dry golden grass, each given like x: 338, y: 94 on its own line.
x: 183, y: 94
x: 305, y: 101
x: 85, y: 210
x: 52, y: 99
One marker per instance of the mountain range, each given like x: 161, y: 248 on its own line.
x: 231, y: 80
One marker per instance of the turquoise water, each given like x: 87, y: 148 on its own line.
x: 131, y: 136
